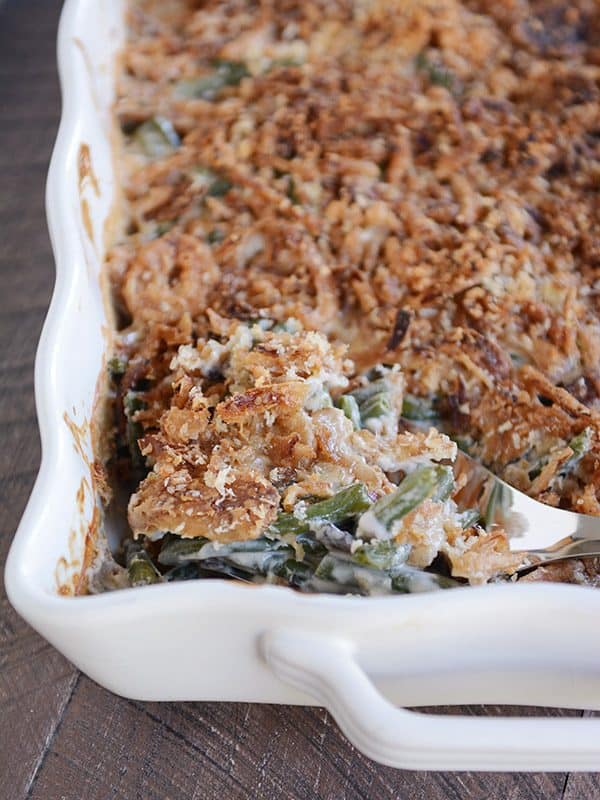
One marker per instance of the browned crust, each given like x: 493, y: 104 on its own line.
x: 421, y: 186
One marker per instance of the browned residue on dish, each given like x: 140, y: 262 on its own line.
x: 79, y: 433
x: 70, y: 571
x: 89, y: 70
x: 86, y: 170
x: 87, y: 219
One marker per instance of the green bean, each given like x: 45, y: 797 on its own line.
x: 215, y: 236
x: 349, y: 406
x: 116, y: 366
x: 339, y: 574
x: 226, y: 73
x: 378, y: 405
x: 438, y: 76
x: 464, y: 443
x: 164, y: 227
x: 348, y: 502
x: 332, y: 537
x: 445, y: 485
x: 282, y: 63
x: 295, y: 573
x: 292, y: 192
x: 318, y: 398
x: 176, y: 550
x: 468, y: 517
x: 290, y: 325
x: 258, y: 561
x: 375, y: 405
x: 435, y: 483
x: 140, y: 568
x: 417, y: 408
x: 410, y: 580
x: 216, y: 185
x: 374, y: 387
x: 580, y: 445
x: 219, y: 187
x: 222, y: 567
x: 131, y: 404
x: 384, y: 554
x: 157, y: 137
x: 311, y: 545
x: 184, y: 572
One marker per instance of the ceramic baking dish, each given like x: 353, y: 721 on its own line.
x: 218, y: 640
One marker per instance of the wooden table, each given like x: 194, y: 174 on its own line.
x: 61, y: 735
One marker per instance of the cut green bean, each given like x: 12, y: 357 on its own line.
x: 580, y: 445
x: 292, y: 192
x: 176, y: 550
x: 219, y: 567
x: 438, y: 76
x: 332, y: 537
x: 295, y: 573
x: 140, y: 568
x: 468, y: 518
x: 184, y: 572
x: 349, y: 406
x: 417, y: 408
x: 215, y: 185
x: 116, y: 366
x: 283, y: 63
x: 290, y: 325
x: 157, y: 137
x: 215, y: 236
x: 254, y: 556
x: 445, y: 485
x: 164, y: 227
x: 339, y: 574
x: 207, y: 87
x: 464, y: 443
x: 374, y: 407
x: 348, y: 502
x: 363, y: 393
x: 435, y: 483
x: 219, y: 187
x: 384, y: 554
x: 410, y: 580
x: 318, y: 398
x: 311, y: 545
x: 131, y: 404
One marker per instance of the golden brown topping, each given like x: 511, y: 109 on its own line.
x: 416, y: 181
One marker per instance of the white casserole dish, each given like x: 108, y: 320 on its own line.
x: 217, y: 640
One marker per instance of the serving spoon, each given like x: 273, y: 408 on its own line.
x: 539, y: 532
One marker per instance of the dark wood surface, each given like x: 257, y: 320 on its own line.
x: 61, y: 735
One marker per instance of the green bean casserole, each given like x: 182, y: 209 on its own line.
x: 341, y: 214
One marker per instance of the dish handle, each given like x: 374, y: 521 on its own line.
x: 326, y: 668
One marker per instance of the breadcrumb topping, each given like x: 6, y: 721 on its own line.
x: 317, y: 190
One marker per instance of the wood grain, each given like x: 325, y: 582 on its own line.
x: 238, y: 751
x: 61, y: 735
x: 35, y: 681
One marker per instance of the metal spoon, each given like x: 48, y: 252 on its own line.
x: 539, y: 532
